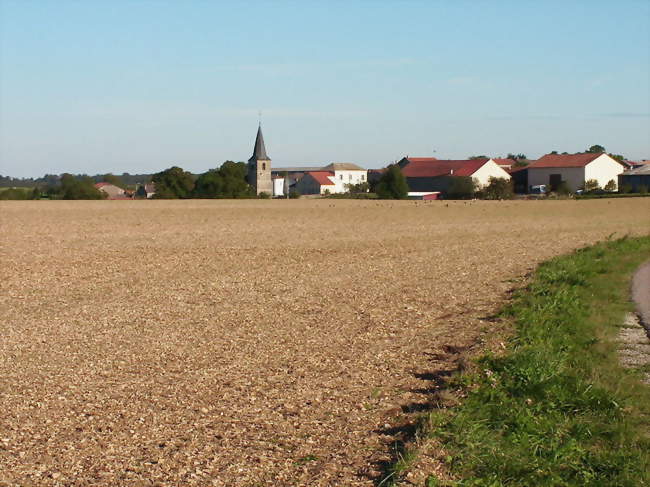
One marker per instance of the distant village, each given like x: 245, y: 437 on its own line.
x: 427, y: 178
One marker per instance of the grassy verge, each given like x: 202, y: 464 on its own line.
x: 611, y: 195
x: 556, y: 408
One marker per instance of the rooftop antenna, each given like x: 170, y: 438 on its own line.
x: 259, y: 117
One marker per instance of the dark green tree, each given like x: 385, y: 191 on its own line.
x: 82, y: 188
x: 113, y: 179
x: 595, y: 149
x: 208, y: 185
x: 617, y: 157
x: 461, y: 188
x: 228, y: 181
x: 392, y: 185
x: 234, y: 180
x: 498, y: 189
x: 173, y: 183
x: 478, y: 157
x: 516, y: 157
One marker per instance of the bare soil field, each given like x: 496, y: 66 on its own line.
x: 249, y: 343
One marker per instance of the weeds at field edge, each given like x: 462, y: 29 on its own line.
x: 556, y: 409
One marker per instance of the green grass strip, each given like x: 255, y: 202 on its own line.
x: 556, y: 409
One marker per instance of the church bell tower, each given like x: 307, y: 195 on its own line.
x: 259, y: 167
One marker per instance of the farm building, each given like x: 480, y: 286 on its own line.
x: 346, y: 173
x: 637, y: 179
x: 316, y: 182
x: 430, y: 175
x: 112, y: 192
x: 336, y: 180
x: 574, y: 170
x: 519, y: 177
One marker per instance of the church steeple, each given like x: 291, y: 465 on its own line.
x: 259, y: 151
x: 259, y: 167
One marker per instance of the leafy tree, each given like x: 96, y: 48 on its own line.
x: 234, y: 179
x: 114, y: 180
x: 498, y: 189
x: 591, y: 185
x: 173, y: 183
x: 617, y: 157
x: 208, y: 185
x: 392, y: 185
x: 521, y: 163
x: 553, y: 152
x: 595, y: 149
x: 610, y: 186
x: 478, y: 157
x: 228, y: 181
x: 461, y: 188
x: 517, y: 157
x: 357, y: 188
x: 82, y: 188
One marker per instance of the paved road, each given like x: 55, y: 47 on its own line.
x: 641, y: 293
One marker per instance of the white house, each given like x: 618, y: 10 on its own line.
x: 346, y: 173
x: 574, y: 170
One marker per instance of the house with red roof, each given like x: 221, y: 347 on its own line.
x: 430, y: 175
x: 317, y: 182
x: 333, y: 178
x: 574, y: 170
x: 112, y: 192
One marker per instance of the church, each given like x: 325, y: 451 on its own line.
x: 259, y: 167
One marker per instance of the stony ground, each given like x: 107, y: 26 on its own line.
x: 248, y: 343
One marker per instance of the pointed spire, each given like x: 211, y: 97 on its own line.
x: 259, y: 151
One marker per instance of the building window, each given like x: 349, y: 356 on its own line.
x: 264, y: 166
x: 341, y: 176
x: 350, y: 177
x: 362, y: 177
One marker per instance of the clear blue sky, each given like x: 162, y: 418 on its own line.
x: 138, y: 86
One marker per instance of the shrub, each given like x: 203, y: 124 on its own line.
x: 643, y: 189
x: 625, y: 188
x: 293, y: 194
x: 498, y: 189
x: 591, y: 185
x: 392, y: 185
x: 15, y: 194
x: 610, y: 186
x: 264, y: 195
x: 461, y: 188
x: 563, y: 188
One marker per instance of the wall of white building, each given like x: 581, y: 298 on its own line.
x: 603, y: 170
x: 344, y: 177
x: 488, y: 170
x: 278, y: 187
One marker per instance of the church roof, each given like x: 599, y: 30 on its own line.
x: 259, y: 151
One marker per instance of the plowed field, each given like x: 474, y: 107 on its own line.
x: 197, y: 343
